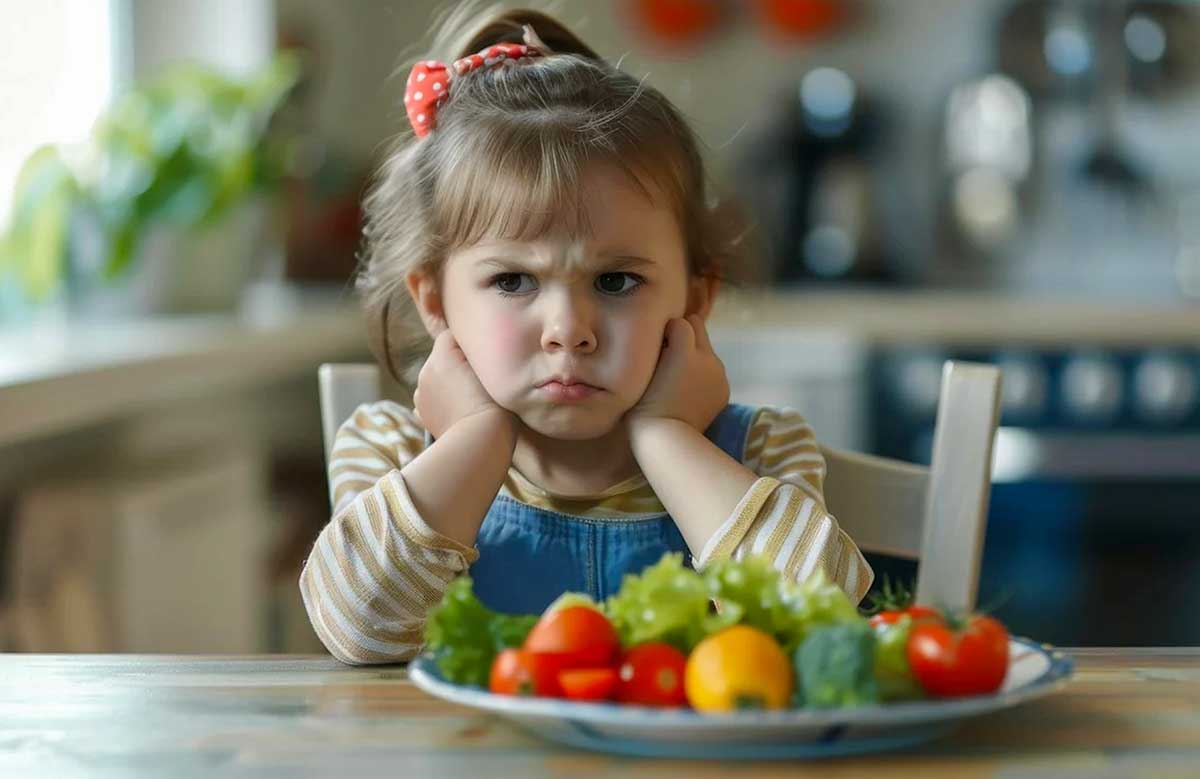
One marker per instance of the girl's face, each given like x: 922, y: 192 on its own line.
x: 567, y: 333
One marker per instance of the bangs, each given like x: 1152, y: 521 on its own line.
x: 522, y: 186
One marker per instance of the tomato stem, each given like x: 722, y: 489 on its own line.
x: 893, y: 596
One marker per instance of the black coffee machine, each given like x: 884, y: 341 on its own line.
x: 806, y: 179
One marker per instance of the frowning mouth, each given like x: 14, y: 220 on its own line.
x: 567, y: 389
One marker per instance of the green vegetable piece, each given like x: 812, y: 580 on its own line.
x: 896, y: 682
x: 465, y: 636
x: 835, y: 666
x: 757, y: 590
x: 666, y: 602
x: 776, y: 605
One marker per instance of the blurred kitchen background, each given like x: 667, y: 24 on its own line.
x: 1016, y: 182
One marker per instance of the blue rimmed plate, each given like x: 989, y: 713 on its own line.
x: 1033, y: 671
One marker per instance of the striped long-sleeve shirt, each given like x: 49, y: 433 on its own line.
x: 377, y: 567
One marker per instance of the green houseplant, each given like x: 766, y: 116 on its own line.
x: 180, y: 153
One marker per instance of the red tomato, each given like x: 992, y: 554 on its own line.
x: 588, y: 684
x: 917, y: 613
x: 519, y: 672
x: 578, y: 637
x: 652, y: 674
x: 952, y: 662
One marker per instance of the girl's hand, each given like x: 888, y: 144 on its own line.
x: 448, y: 389
x: 689, y: 383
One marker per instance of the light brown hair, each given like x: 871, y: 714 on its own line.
x: 504, y: 161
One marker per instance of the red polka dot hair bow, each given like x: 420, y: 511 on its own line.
x: 429, y: 82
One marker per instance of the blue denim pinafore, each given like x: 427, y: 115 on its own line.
x: 529, y: 556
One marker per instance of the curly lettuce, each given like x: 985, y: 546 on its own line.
x: 783, y: 608
x: 667, y: 602
x: 465, y: 636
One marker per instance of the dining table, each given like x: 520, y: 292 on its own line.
x: 1125, y: 712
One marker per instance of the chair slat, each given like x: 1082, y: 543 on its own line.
x: 959, y: 485
x: 880, y: 502
x: 343, y: 388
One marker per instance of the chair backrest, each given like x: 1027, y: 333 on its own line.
x: 937, y: 515
x: 344, y: 387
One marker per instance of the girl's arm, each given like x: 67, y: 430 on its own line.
x: 455, y: 480
x: 403, y: 527
x: 725, y: 509
x: 770, y: 506
x: 698, y: 484
x: 792, y: 527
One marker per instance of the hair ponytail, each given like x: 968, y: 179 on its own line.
x: 509, y: 27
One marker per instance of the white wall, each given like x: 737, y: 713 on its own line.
x: 237, y: 36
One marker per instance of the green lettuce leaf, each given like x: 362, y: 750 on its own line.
x: 667, y: 602
x: 776, y: 605
x: 465, y: 636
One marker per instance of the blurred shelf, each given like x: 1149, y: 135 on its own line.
x: 63, y: 375
x: 903, y: 317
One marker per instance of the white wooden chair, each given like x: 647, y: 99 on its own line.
x: 936, y: 515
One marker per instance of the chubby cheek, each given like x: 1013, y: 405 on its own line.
x: 640, y: 343
x: 496, y: 353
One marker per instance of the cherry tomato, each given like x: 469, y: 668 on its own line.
x: 652, y: 674
x: 520, y: 672
x: 918, y: 613
x: 578, y: 637
x: 588, y: 684
x: 952, y: 661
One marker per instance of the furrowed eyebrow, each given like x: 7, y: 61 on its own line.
x: 623, y: 261
x: 502, y: 263
x: 603, y: 263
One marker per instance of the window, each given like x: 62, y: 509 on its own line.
x: 56, y: 75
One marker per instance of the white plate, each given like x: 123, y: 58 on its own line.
x: 1034, y: 670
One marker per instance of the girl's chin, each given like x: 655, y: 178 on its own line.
x: 570, y: 423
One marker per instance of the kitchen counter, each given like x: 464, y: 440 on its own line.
x: 1127, y: 712
x: 963, y: 318
x: 60, y: 375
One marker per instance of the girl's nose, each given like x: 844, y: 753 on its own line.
x: 568, y: 328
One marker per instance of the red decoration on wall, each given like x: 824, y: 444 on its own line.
x: 802, y: 18
x: 677, y: 22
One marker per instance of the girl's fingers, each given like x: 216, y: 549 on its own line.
x: 442, y: 342
x: 698, y: 327
x: 446, y: 343
x: 680, y: 335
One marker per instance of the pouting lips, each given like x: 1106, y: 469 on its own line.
x: 559, y: 391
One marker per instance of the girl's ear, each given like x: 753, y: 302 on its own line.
x: 702, y: 291
x: 423, y: 289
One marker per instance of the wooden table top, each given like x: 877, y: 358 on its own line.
x: 1127, y: 712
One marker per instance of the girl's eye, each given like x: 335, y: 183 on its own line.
x: 617, y: 283
x: 514, y: 283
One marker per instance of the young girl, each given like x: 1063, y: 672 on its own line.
x: 547, y: 224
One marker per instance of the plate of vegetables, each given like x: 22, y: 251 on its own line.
x: 728, y: 663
